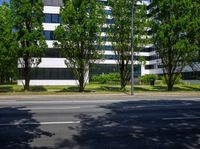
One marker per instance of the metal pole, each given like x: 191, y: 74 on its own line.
x: 132, y: 51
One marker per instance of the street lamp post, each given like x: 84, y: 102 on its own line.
x: 132, y: 51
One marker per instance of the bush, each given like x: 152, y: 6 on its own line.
x: 104, y: 78
x: 148, y: 79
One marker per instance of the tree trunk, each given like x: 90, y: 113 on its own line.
x: 122, y: 76
x: 169, y: 87
x: 169, y: 83
x: 123, y: 81
x: 81, y: 80
x: 27, y: 75
x: 1, y: 79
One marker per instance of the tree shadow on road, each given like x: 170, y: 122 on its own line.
x: 14, y: 135
x: 140, y: 125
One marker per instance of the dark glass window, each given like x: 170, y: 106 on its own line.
x: 153, y: 57
x: 49, y: 74
x: 104, y: 29
x: 47, y: 18
x: 111, y: 57
x: 191, y: 75
x: 98, y: 69
x: 48, y: 35
x: 108, y: 12
x: 149, y: 67
x: 52, y: 52
x: 51, y: 18
x: 108, y: 47
x: 109, y: 21
x: 150, y: 49
x: 55, y: 18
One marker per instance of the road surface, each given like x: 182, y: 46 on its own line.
x: 100, y: 123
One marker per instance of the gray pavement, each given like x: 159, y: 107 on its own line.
x: 99, y: 122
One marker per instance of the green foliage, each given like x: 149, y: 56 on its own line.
x: 175, y: 25
x: 104, y: 78
x: 178, y: 80
x: 148, y: 79
x: 120, y: 33
x: 82, y: 21
x: 27, y: 18
x: 8, y: 58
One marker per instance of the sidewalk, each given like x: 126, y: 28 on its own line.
x: 93, y: 96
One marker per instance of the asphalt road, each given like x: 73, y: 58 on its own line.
x: 100, y: 123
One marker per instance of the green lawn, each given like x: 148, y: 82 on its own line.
x: 95, y: 88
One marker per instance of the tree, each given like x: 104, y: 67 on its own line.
x: 120, y: 33
x: 196, y: 15
x: 81, y: 23
x: 27, y: 18
x: 174, y: 30
x: 8, y: 59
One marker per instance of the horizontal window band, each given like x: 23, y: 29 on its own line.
x: 99, y: 69
x: 48, y: 74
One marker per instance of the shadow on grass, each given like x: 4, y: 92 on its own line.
x: 164, y: 88
x: 139, y: 125
x: 74, y: 89
x: 109, y: 88
x: 4, y: 89
x: 38, y: 89
x: 192, y: 88
x: 150, y: 88
x: 18, y: 129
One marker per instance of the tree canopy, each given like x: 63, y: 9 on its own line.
x: 8, y: 58
x: 27, y: 18
x: 120, y: 33
x: 175, y: 26
x: 79, y: 34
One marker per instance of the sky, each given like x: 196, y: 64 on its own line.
x: 1, y: 1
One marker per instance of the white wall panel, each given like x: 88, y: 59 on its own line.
x: 51, y: 9
x: 49, y: 82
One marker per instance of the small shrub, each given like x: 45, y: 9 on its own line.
x: 148, y: 79
x: 104, y: 78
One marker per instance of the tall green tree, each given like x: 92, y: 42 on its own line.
x: 174, y: 25
x: 8, y: 58
x: 27, y: 18
x: 81, y: 23
x: 120, y: 33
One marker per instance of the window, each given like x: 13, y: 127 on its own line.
x: 149, y: 67
x: 108, y: 12
x: 51, y: 18
x: 52, y: 52
x: 108, y: 47
x: 109, y: 21
x: 49, y: 74
x: 148, y: 49
x: 98, y: 69
x: 55, y: 18
x: 48, y: 35
x: 47, y: 18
